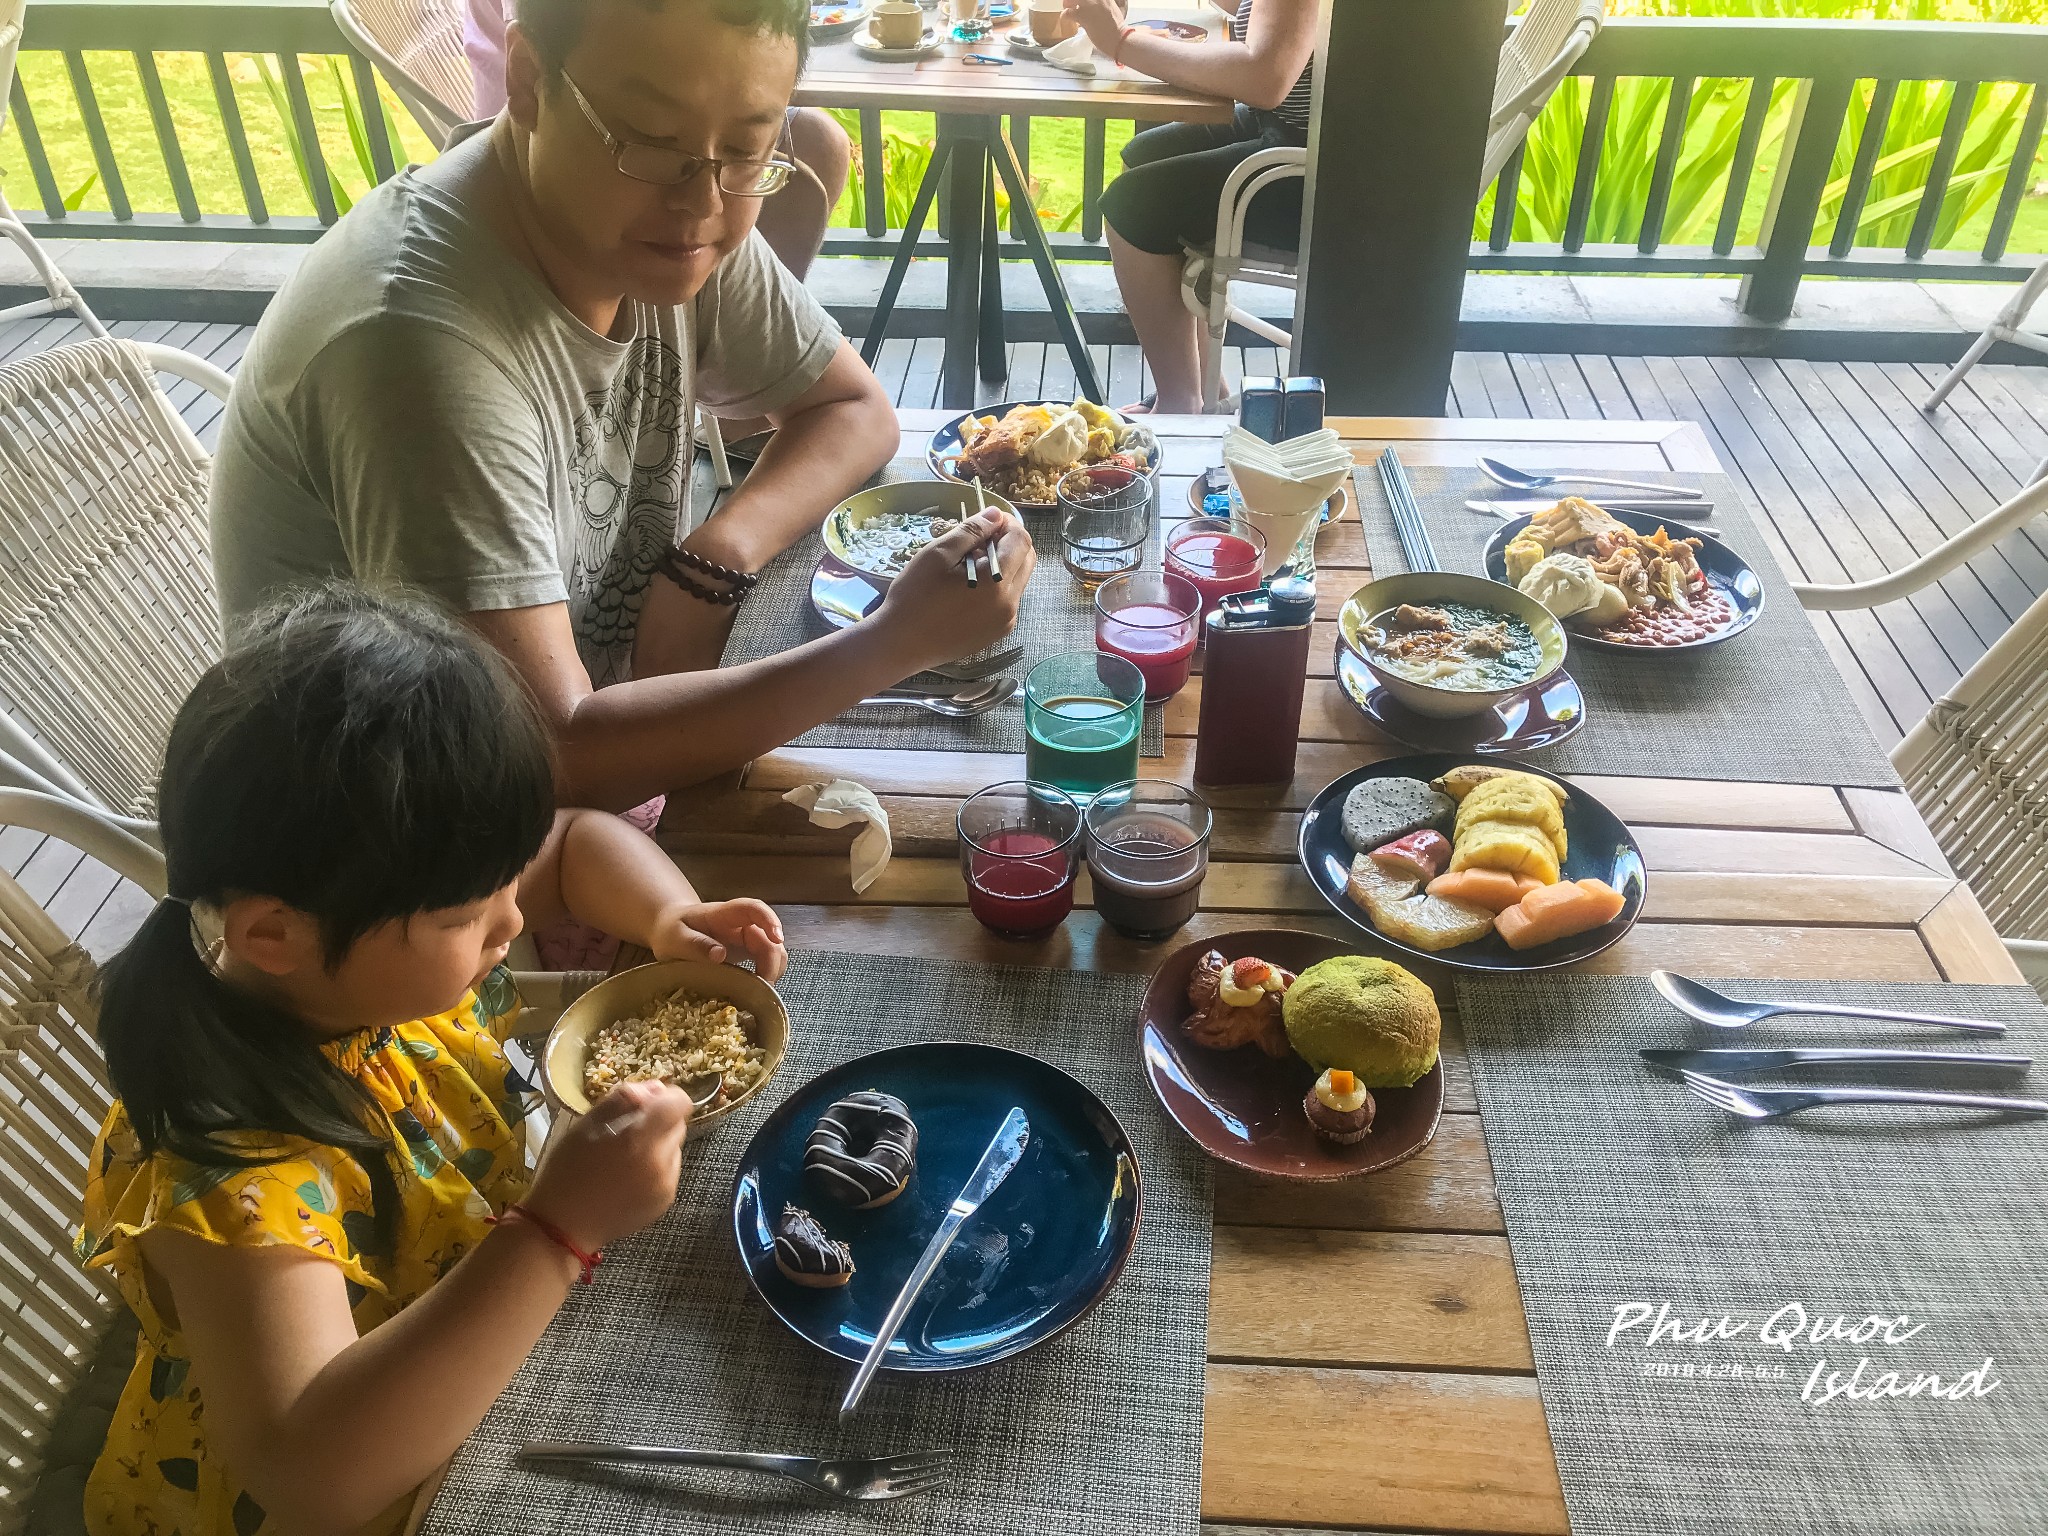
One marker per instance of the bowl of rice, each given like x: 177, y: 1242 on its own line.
x: 670, y: 1020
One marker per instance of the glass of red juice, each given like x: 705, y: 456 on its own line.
x: 1020, y: 849
x: 1220, y: 555
x: 1150, y: 618
x: 1148, y: 851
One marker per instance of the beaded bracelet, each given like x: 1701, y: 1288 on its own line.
x: 588, y: 1258
x: 746, y: 580
x: 672, y: 568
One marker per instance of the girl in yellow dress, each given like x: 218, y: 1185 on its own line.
x: 311, y: 1189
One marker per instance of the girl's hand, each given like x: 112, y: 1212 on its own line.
x: 713, y: 930
x: 613, y: 1171
x: 1103, y: 21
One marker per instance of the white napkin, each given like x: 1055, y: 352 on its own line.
x: 842, y: 803
x: 1284, y: 485
x: 1076, y: 55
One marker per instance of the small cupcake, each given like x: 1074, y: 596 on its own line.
x: 1339, y: 1108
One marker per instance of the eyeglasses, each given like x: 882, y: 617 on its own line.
x: 671, y: 167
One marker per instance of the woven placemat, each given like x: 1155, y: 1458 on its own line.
x: 672, y: 1347
x: 1622, y: 1191
x: 1056, y: 616
x: 1766, y: 706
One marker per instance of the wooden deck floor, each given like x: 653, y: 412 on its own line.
x: 1852, y: 478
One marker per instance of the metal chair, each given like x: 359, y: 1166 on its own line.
x: 63, y: 298
x: 2004, y: 327
x: 1977, y: 764
x: 418, y: 46
x: 107, y: 610
x: 1538, y: 54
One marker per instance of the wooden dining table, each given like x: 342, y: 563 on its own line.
x: 1368, y: 1359
x: 972, y: 153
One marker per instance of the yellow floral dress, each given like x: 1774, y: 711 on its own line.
x: 455, y: 1109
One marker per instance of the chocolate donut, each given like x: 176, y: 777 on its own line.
x: 806, y: 1255
x: 862, y: 1149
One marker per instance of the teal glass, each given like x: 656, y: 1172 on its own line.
x: 1082, y: 712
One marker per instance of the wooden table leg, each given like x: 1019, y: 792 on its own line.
x: 906, y: 248
x: 1049, y: 277
x: 995, y: 358
x: 966, y: 172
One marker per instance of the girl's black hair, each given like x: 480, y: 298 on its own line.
x: 362, y: 759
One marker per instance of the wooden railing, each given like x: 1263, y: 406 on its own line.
x: 1824, y: 64
x: 1806, y: 82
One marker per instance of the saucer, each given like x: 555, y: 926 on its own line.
x: 1198, y: 491
x: 868, y: 46
x: 840, y: 595
x: 1539, y: 716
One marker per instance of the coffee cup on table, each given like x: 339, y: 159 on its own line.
x: 1051, y: 22
x: 897, y: 24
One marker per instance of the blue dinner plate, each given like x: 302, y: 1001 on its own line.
x: 1727, y: 570
x: 1601, y: 848
x: 1045, y: 1248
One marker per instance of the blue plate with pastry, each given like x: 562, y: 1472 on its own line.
x: 844, y: 1185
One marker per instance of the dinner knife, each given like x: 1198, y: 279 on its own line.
x: 1739, y: 1063
x: 994, y: 1167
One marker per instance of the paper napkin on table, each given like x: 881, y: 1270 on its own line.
x: 1284, y: 485
x: 843, y: 803
x: 1076, y: 55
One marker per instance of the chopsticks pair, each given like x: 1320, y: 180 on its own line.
x: 1408, y: 525
x: 995, y: 570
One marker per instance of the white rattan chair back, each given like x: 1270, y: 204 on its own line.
x: 418, y: 46
x: 1539, y: 53
x: 53, y: 1097
x: 1977, y: 767
x: 107, y: 610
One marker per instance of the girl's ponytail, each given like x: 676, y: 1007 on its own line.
x: 219, y: 1077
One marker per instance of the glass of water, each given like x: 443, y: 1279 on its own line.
x: 1105, y: 521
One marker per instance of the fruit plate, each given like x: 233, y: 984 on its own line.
x: 1601, y: 847
x: 1244, y: 1108
x: 1048, y: 1245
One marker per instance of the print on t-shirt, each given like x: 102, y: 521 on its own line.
x: 628, y: 470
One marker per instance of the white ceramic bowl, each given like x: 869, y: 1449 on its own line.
x: 1377, y: 597
x: 948, y: 496
x: 634, y: 992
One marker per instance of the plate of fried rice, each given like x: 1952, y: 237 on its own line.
x: 669, y: 1021
x: 1021, y: 448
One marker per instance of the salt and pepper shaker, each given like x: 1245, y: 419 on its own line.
x: 1303, y: 408
x: 1252, y: 681
x: 1262, y: 408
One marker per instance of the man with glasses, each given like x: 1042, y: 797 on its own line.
x: 481, y: 384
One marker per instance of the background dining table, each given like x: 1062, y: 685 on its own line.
x: 1369, y: 1361
x: 971, y: 101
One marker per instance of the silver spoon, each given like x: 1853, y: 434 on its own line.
x: 1524, y: 480
x: 953, y: 709
x: 959, y: 693
x: 1702, y: 1002
x: 703, y: 1087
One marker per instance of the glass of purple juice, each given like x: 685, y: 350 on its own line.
x: 1020, y: 849
x: 1148, y: 850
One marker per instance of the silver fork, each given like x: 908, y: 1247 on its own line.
x: 975, y: 671
x: 854, y: 1477
x: 1770, y: 1103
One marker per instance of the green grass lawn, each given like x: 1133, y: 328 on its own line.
x: 1056, y: 145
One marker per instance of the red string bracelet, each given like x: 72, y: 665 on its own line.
x: 1122, y: 37
x: 588, y: 1258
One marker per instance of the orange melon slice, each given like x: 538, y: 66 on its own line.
x: 1493, y: 889
x: 1558, y: 912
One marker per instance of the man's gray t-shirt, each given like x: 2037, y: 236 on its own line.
x: 418, y: 409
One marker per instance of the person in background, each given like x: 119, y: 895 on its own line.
x: 1164, y: 203
x: 793, y: 221
x: 481, y: 383
x: 312, y: 1187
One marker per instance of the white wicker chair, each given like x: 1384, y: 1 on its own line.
x: 2005, y: 326
x: 53, y: 1096
x: 63, y: 298
x: 107, y: 611
x: 1977, y: 765
x: 1538, y: 54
